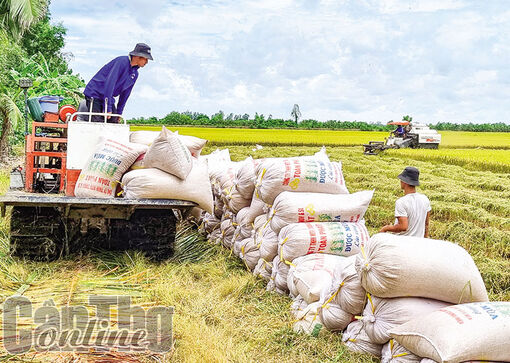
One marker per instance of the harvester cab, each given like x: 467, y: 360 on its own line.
x: 48, y: 221
x: 407, y: 135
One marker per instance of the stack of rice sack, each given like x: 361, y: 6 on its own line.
x: 169, y: 171
x: 315, y: 223
x: 154, y: 165
x: 459, y: 333
x: 406, y: 279
x: 210, y: 223
x: 326, y: 290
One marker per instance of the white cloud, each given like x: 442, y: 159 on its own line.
x: 366, y: 60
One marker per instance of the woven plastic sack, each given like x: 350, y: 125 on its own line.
x: 225, y: 177
x: 395, y: 266
x: 250, y: 254
x: 267, y: 241
x: 228, y: 227
x: 209, y: 223
x: 257, y: 208
x: 346, y: 290
x: 217, y: 160
x: 392, y: 352
x: 194, y: 144
x: 238, y: 246
x: 310, y: 275
x: 156, y: 184
x: 145, y: 137
x: 334, y: 317
x: 299, y: 175
x: 381, y: 315
x: 259, y: 222
x: 168, y: 153
x: 278, y: 280
x: 235, y: 201
x: 459, y: 333
x: 291, y: 207
x: 357, y: 340
x: 243, y: 230
x: 262, y: 271
x: 103, y: 171
x: 300, y: 239
x: 245, y: 178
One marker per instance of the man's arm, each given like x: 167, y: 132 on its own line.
x: 123, y: 97
x: 401, y: 226
x: 427, y: 225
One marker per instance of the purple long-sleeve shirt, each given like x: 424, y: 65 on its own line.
x: 116, y: 78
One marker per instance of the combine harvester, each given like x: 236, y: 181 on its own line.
x: 418, y: 136
x: 48, y: 221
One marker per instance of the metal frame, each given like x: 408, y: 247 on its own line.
x: 31, y: 153
x: 74, y: 116
x: 117, y: 208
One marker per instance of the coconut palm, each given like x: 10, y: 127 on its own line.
x: 296, y: 114
x: 10, y: 116
x: 16, y: 16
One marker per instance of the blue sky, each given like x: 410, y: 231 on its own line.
x: 368, y: 60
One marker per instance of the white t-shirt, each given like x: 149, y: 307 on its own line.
x: 415, y: 207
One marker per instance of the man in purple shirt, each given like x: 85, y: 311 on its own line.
x: 116, y: 78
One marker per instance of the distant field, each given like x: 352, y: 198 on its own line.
x: 219, y: 136
x: 497, y: 160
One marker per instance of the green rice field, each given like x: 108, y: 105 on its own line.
x: 222, y: 312
x: 225, y: 136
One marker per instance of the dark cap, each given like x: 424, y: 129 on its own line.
x: 410, y: 175
x: 142, y: 50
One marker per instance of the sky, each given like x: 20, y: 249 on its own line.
x: 365, y: 60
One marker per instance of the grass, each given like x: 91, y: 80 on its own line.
x: 222, y: 312
x: 236, y: 136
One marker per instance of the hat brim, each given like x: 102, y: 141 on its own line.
x: 409, y: 181
x: 145, y: 55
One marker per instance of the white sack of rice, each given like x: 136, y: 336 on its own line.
x: 291, y: 207
x: 396, y: 266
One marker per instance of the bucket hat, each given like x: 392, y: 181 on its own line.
x: 142, y: 50
x: 410, y: 175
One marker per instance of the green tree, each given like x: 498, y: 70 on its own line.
x: 21, y: 39
x: 16, y: 16
x: 295, y: 113
x: 11, y: 55
x: 48, y: 40
x: 49, y: 80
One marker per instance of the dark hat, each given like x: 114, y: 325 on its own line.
x: 142, y: 50
x: 410, y: 175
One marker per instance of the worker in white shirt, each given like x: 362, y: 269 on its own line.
x: 412, y: 211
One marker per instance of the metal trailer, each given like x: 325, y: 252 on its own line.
x: 47, y: 227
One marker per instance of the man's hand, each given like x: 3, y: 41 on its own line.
x: 109, y: 116
x: 385, y: 228
x: 401, y: 226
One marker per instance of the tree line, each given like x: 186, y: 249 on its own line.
x: 259, y: 121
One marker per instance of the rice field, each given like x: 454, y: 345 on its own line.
x: 475, y: 159
x: 225, y: 136
x: 222, y: 312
